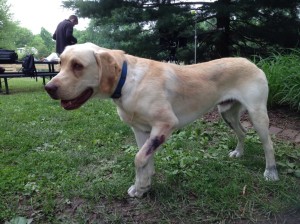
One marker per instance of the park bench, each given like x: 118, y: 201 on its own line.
x: 45, y: 69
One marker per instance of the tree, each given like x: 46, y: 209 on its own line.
x: 224, y: 27
x: 7, y: 27
x: 247, y: 27
x: 48, y: 42
x: 40, y: 45
x: 260, y: 25
x: 26, y: 39
x: 23, y: 38
x: 12, y: 36
x: 136, y: 27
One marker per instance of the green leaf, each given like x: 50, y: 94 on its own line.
x: 297, y: 173
x: 291, y: 165
x: 20, y: 220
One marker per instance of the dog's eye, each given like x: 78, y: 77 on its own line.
x: 77, y: 66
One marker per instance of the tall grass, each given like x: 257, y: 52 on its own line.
x: 283, y: 73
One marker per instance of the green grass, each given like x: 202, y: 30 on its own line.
x: 283, y: 73
x: 60, y: 166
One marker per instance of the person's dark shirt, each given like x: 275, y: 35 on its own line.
x: 64, y: 35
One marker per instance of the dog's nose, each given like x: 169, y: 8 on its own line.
x: 52, y: 90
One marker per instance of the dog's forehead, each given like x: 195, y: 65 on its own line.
x: 78, y: 49
x: 84, y: 47
x: 79, y: 53
x: 83, y: 52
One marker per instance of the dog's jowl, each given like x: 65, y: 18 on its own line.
x: 156, y: 98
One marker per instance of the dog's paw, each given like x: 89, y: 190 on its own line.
x: 133, y: 192
x: 236, y: 153
x: 271, y: 174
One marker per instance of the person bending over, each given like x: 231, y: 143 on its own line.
x: 63, y: 34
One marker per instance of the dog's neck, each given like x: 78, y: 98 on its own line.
x: 118, y: 91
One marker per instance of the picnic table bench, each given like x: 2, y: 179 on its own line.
x: 17, y: 73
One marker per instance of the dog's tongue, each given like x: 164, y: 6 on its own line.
x: 78, y: 101
x: 70, y: 104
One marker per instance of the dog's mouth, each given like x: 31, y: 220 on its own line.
x: 78, y: 101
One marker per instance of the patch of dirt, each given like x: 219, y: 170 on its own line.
x: 280, y: 117
x: 288, y: 217
x: 284, y: 118
x: 148, y: 210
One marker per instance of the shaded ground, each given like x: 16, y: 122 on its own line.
x: 130, y: 209
x: 127, y: 208
x: 284, y: 118
x: 284, y: 123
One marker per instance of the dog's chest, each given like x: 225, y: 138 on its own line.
x: 134, y: 119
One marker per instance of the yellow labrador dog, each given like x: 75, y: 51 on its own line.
x: 155, y: 98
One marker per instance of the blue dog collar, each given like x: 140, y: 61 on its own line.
x: 117, y: 94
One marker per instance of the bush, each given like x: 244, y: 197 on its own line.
x: 283, y: 74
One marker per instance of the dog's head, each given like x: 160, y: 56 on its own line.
x: 86, y: 70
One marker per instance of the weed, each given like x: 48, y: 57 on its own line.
x: 283, y: 73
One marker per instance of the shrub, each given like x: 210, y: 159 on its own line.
x: 283, y: 74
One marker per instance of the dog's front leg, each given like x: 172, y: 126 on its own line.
x: 143, y: 175
x: 144, y: 161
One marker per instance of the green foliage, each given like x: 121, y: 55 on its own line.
x: 267, y: 23
x: 7, y: 27
x: 60, y: 166
x: 48, y: 43
x: 42, y: 42
x: 12, y: 36
x: 149, y: 28
x: 225, y: 27
x: 283, y: 73
x: 24, y: 37
x: 130, y: 27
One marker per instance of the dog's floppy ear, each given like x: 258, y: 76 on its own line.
x: 109, y: 71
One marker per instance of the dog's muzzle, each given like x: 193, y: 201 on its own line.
x: 52, y: 90
x: 69, y: 104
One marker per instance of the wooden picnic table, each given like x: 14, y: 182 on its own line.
x: 14, y: 70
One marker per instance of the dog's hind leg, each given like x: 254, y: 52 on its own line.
x: 260, y: 120
x: 231, y: 112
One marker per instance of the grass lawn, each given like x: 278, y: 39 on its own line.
x: 60, y: 166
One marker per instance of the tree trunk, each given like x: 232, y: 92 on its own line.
x: 223, y: 22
